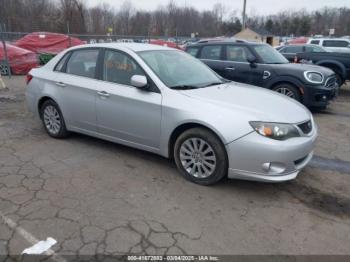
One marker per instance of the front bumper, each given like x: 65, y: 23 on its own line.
x: 319, y: 96
x: 258, y: 158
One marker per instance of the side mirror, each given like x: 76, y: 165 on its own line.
x: 139, y: 81
x: 251, y: 59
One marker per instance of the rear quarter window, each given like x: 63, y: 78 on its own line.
x: 60, y: 65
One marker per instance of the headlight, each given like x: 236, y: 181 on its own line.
x: 314, y: 77
x: 275, y: 130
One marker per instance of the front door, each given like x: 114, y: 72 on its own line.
x: 212, y: 55
x: 236, y: 65
x: 126, y: 113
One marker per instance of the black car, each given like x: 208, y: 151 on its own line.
x: 314, y: 54
x: 261, y: 65
x: 290, y: 51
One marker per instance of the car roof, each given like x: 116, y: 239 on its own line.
x: 241, y: 42
x: 135, y: 47
x: 301, y: 45
x: 335, y: 39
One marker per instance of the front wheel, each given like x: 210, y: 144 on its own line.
x: 339, y: 79
x: 200, y: 156
x: 288, y: 90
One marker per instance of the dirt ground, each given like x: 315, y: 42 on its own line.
x: 96, y: 197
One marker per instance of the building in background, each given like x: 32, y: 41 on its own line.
x: 261, y: 36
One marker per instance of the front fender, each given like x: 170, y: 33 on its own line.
x: 335, y: 64
x: 283, y: 79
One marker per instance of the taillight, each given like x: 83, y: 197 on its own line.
x: 29, y: 77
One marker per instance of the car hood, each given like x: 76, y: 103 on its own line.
x: 281, y: 69
x: 256, y: 103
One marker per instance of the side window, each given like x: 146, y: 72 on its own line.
x: 281, y: 50
x: 237, y: 53
x: 83, y: 63
x: 335, y: 43
x: 315, y: 42
x: 293, y: 49
x: 193, y: 51
x: 60, y: 65
x: 119, y: 68
x: 313, y: 49
x: 212, y: 52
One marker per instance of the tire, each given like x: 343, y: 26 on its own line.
x: 339, y: 78
x: 207, y: 161
x: 52, y: 119
x: 288, y: 90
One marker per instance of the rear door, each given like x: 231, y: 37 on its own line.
x: 76, y: 85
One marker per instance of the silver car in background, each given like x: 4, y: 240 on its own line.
x: 165, y: 101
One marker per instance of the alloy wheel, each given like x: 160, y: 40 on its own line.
x: 197, y: 158
x: 52, y: 119
x: 285, y: 91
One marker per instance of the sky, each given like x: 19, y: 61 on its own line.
x: 259, y: 7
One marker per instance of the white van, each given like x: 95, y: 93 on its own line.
x: 332, y: 44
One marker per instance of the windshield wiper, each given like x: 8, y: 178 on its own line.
x: 183, y: 87
x: 212, y: 84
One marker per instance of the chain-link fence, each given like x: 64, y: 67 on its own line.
x: 11, y: 44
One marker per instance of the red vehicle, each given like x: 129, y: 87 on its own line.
x: 47, y: 43
x: 164, y: 43
x: 21, y: 60
x: 299, y: 40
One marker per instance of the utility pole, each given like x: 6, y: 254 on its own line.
x: 68, y: 32
x: 244, y: 14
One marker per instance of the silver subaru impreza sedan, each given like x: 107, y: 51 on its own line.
x: 166, y: 102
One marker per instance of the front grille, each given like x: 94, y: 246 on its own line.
x: 306, y: 127
x: 331, y: 82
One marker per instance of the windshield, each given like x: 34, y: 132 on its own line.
x: 179, y: 70
x: 270, y: 55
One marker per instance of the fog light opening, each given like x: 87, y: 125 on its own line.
x: 274, y: 167
x: 266, y: 167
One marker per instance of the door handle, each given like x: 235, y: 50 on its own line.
x: 103, y: 93
x: 230, y: 68
x: 61, y: 84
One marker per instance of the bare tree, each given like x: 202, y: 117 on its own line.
x: 169, y: 20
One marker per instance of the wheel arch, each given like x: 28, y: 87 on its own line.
x: 41, y: 101
x: 184, y: 127
x: 296, y: 84
x: 335, y: 66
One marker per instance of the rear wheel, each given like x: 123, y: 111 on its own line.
x: 200, y: 156
x: 53, y: 120
x: 288, y: 90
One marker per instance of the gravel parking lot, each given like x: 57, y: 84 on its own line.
x: 96, y: 197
